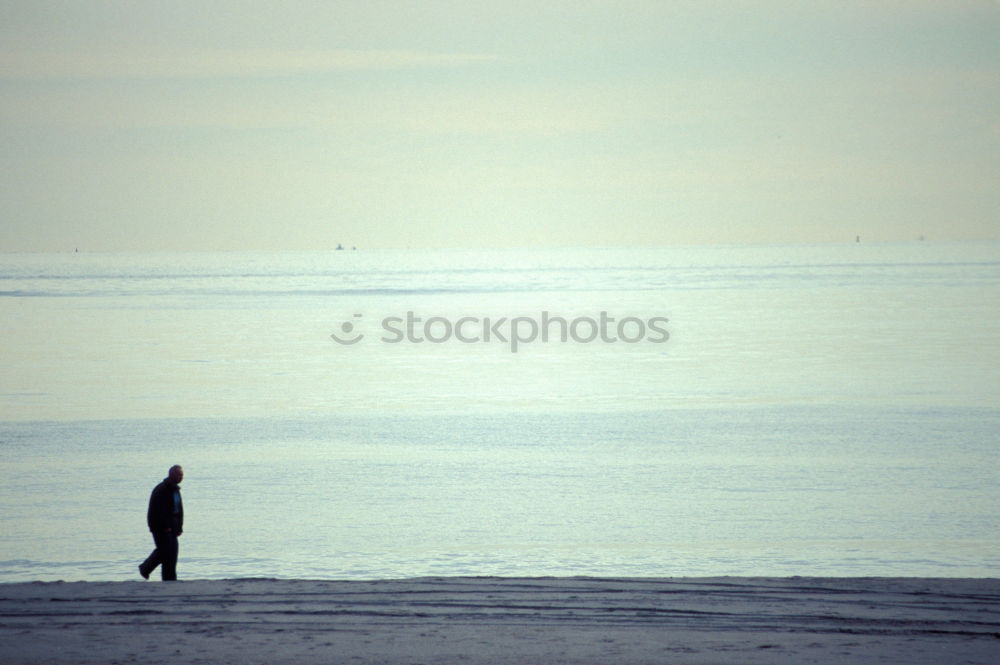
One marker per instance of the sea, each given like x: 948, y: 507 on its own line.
x: 828, y: 410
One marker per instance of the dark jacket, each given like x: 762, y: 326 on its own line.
x: 166, y: 511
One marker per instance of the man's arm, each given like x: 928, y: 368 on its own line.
x: 158, y: 515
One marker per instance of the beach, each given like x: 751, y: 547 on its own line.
x: 468, y: 333
x: 473, y: 620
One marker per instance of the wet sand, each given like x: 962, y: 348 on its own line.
x: 504, y: 620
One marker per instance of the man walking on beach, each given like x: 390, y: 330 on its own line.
x: 165, y: 518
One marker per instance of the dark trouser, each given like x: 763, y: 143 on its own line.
x: 165, y: 554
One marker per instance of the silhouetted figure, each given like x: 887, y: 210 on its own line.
x: 165, y: 518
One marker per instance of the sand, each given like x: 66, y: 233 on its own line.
x: 504, y: 620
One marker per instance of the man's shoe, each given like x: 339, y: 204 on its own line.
x: 143, y: 572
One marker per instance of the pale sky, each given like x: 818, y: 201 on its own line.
x: 297, y: 125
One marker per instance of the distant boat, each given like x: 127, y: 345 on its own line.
x: 339, y: 246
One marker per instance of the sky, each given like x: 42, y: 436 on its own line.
x: 232, y: 125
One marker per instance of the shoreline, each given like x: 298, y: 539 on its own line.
x: 479, y: 620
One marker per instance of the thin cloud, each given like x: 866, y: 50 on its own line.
x: 214, y: 63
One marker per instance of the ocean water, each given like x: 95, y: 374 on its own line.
x: 784, y: 410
